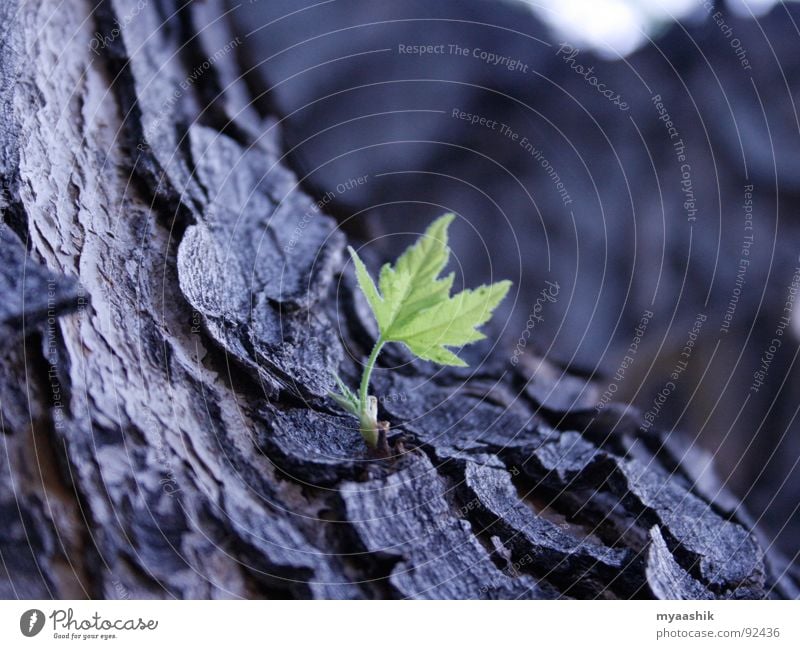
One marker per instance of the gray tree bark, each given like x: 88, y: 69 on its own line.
x: 173, y: 307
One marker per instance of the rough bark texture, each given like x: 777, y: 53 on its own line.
x: 167, y: 341
x: 619, y: 241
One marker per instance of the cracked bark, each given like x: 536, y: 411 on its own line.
x: 170, y: 326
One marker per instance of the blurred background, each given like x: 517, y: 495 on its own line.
x: 626, y: 157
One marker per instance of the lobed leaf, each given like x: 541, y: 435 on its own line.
x: 412, y: 304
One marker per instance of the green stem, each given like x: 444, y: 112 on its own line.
x: 370, y: 434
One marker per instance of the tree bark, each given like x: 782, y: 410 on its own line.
x: 174, y: 307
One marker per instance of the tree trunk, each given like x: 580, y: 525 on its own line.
x: 174, y: 306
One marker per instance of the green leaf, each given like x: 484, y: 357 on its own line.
x: 346, y: 398
x: 414, y: 305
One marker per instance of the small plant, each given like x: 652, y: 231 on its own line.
x: 412, y: 305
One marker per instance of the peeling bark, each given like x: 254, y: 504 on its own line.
x: 169, y: 434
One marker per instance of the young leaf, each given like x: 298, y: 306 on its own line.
x: 414, y: 306
x: 345, y: 397
x: 452, y: 322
